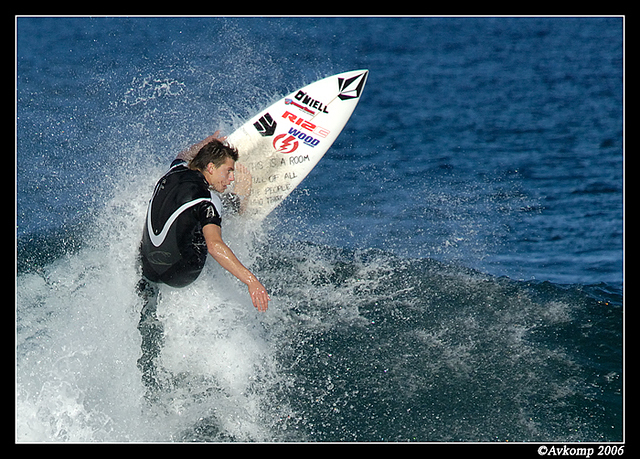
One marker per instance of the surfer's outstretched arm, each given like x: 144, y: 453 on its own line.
x: 227, y: 259
x: 192, y: 151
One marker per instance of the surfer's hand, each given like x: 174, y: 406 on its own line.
x: 242, y: 186
x: 259, y: 295
x: 215, y: 136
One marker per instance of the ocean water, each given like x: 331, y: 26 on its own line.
x: 451, y: 271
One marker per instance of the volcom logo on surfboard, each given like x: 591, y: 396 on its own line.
x: 266, y: 126
x: 351, y: 88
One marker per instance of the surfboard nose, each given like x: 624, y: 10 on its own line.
x: 351, y: 86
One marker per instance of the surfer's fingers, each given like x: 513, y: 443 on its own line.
x: 216, y: 135
x: 243, y: 171
x: 264, y: 298
x: 260, y: 303
x: 260, y: 300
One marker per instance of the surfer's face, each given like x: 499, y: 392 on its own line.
x: 220, y: 177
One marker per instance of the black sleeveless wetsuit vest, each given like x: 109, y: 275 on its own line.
x: 173, y: 249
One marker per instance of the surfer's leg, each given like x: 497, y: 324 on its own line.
x: 152, y: 334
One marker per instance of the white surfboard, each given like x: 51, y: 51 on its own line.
x: 281, y: 144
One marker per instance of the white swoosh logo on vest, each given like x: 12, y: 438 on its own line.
x: 159, y: 239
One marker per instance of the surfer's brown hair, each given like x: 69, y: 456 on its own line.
x: 215, y: 152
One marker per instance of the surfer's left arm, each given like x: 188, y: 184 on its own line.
x: 192, y: 151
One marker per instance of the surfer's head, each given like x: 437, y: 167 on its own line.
x: 216, y: 160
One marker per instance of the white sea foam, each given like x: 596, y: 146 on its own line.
x: 78, y: 343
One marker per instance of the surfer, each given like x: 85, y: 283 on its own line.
x: 183, y: 224
x: 184, y: 220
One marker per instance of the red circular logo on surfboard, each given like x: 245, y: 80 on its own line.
x: 285, y: 143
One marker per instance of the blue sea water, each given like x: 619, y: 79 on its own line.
x: 452, y: 270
